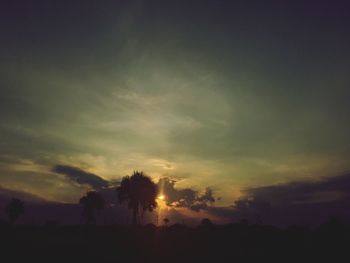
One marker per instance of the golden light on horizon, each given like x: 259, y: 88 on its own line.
x: 161, y: 208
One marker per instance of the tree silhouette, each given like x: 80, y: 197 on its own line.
x: 91, y: 202
x: 206, y: 222
x: 166, y: 221
x: 139, y: 191
x: 14, y: 209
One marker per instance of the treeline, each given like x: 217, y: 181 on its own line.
x: 138, y: 191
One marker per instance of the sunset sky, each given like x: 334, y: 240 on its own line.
x: 229, y: 95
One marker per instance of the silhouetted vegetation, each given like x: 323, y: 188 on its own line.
x: 92, y: 202
x: 139, y: 191
x: 14, y: 209
x: 166, y: 221
x: 206, y: 222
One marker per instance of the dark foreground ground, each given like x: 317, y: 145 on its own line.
x: 230, y: 243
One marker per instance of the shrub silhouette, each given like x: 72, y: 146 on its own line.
x: 91, y: 202
x: 166, y: 221
x: 14, y: 209
x: 206, y: 222
x: 139, y: 191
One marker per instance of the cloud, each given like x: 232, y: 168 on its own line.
x: 328, y: 189
x: 185, y: 197
x: 304, y: 202
x: 80, y: 176
x: 106, y: 188
x: 207, y: 196
x: 6, y: 195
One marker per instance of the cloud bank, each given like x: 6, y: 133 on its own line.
x: 186, y: 197
x: 80, y: 176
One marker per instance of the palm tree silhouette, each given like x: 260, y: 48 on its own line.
x: 91, y: 201
x: 14, y: 209
x: 139, y: 191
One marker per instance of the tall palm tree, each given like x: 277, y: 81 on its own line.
x: 139, y: 191
x: 14, y: 209
x: 91, y: 202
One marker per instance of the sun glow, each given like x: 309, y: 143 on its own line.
x: 161, y: 201
x: 161, y: 209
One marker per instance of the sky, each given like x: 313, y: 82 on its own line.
x: 230, y: 96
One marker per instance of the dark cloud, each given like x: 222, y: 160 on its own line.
x: 80, y: 176
x: 309, y: 202
x: 182, y: 197
x: 207, y: 196
x: 325, y: 190
x: 185, y: 197
x: 107, y: 189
